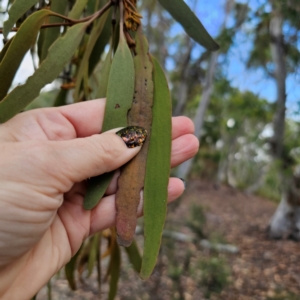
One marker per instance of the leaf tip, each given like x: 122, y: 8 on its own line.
x: 123, y: 242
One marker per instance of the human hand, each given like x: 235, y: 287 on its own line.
x: 46, y: 155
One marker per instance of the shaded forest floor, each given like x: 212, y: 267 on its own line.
x: 263, y: 269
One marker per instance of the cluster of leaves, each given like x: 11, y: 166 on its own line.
x: 214, y: 274
x: 137, y: 94
x: 260, y: 55
x: 232, y: 125
x: 210, y: 271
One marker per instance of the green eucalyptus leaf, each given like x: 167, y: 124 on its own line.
x: 99, y: 271
x: 180, y: 11
x: 61, y: 98
x: 16, y: 11
x: 59, y: 55
x: 114, y: 267
x: 120, y: 88
x: 94, y: 253
x: 92, y: 6
x: 21, y: 43
x: 44, y: 99
x: 101, y: 43
x: 134, y: 256
x: 70, y: 270
x: 120, y: 91
x: 83, y: 68
x: 103, y: 76
x: 96, y: 188
x: 40, y: 43
x: 51, y: 34
x: 4, y: 49
x: 77, y: 9
x: 157, y: 171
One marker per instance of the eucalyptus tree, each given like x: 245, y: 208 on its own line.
x: 225, y: 38
x: 276, y: 50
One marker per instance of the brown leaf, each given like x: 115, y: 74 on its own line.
x: 131, y: 180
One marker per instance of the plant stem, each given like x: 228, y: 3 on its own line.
x: 72, y: 22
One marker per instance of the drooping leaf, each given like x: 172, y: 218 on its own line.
x: 103, y: 76
x: 59, y: 55
x: 70, y: 270
x: 61, y: 98
x: 114, y: 270
x: 40, y: 43
x: 23, y: 40
x: 133, y: 173
x: 16, y: 11
x: 92, y: 6
x: 94, y: 253
x: 101, y: 43
x: 118, y: 102
x: 51, y: 34
x: 119, y: 96
x: 134, y: 256
x: 110, y: 235
x: 180, y: 11
x: 99, y: 271
x: 44, y: 99
x: 4, y: 49
x: 77, y: 9
x: 157, y: 171
x: 96, y: 188
x: 116, y: 37
x: 84, y: 68
x: 83, y: 258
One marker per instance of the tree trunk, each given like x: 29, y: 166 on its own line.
x: 279, y: 59
x: 286, y: 219
x: 183, y: 87
x: 185, y: 168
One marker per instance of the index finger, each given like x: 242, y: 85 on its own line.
x: 87, y: 118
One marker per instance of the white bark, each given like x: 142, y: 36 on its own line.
x: 279, y: 60
x: 185, y: 168
x: 184, y: 78
x: 286, y: 221
x: 281, y: 222
x: 287, y: 216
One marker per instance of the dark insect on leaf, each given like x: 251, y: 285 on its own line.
x: 133, y: 136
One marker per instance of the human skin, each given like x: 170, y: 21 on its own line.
x: 46, y: 156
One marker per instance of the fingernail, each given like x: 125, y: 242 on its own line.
x: 184, y: 182
x: 133, y: 136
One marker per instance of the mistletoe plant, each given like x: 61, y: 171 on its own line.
x: 137, y: 95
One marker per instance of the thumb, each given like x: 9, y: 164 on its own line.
x: 82, y: 158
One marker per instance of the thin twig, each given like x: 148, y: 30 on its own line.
x: 72, y: 22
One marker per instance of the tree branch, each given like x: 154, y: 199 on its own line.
x: 72, y: 22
